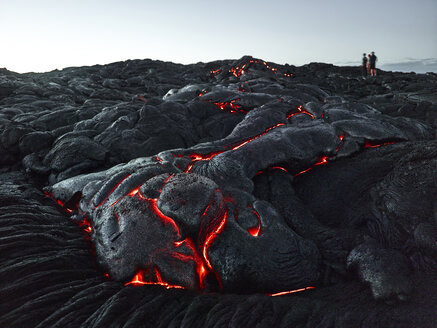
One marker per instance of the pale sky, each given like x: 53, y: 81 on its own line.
x: 46, y: 34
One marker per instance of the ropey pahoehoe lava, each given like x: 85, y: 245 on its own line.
x: 221, y: 183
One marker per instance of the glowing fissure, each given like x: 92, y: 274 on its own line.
x: 341, y: 137
x: 322, y: 160
x: 370, y: 144
x: 273, y: 168
x: 194, y: 256
x: 153, y: 202
x: 211, y: 237
x: 215, y: 72
x: 200, y: 267
x: 112, y: 190
x: 57, y: 201
x: 292, y: 291
x: 231, y: 106
x: 85, y: 225
x: 238, y: 71
x: 162, y: 216
x: 141, y: 98
x: 256, y: 137
x: 300, y: 111
x: 200, y: 157
x: 203, y: 92
x: 255, y: 231
x: 139, y: 280
x: 279, y: 168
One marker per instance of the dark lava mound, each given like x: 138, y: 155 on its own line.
x: 227, y: 194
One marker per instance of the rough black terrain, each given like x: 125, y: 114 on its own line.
x: 224, y: 194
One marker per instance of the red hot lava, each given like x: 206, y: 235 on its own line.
x: 292, y: 291
x: 230, y: 106
x: 372, y: 144
x: 300, y: 111
x: 255, y: 231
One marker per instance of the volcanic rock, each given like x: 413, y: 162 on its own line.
x: 232, y: 193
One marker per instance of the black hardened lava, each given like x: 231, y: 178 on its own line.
x: 227, y: 194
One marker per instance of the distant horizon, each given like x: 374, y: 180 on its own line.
x: 419, y: 66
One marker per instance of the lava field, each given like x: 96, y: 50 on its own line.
x: 234, y: 193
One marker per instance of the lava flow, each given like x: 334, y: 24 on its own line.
x: 201, y: 157
x: 193, y: 255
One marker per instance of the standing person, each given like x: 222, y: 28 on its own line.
x: 372, y: 62
x: 368, y: 64
x: 364, y: 65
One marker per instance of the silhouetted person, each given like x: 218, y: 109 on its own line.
x: 372, y: 64
x: 368, y: 64
x: 364, y: 65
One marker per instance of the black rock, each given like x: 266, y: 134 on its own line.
x: 232, y: 193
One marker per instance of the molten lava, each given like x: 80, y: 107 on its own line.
x: 200, y: 267
x: 292, y: 291
x: 238, y: 71
x: 230, y: 106
x: 372, y: 144
x: 112, y: 190
x: 300, y: 111
x: 257, y: 136
x: 215, y: 72
x: 322, y: 160
x: 255, y: 231
x: 211, y: 237
x: 139, y: 280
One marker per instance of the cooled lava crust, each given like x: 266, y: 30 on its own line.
x: 224, y: 194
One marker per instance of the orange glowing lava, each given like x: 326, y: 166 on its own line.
x: 215, y: 72
x: 112, y: 190
x: 279, y: 168
x: 255, y: 231
x: 138, y: 280
x: 200, y: 267
x: 292, y: 291
x: 370, y: 144
x: 211, y: 238
x: 300, y: 111
x: 256, y: 137
x: 322, y: 160
x: 230, y: 106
